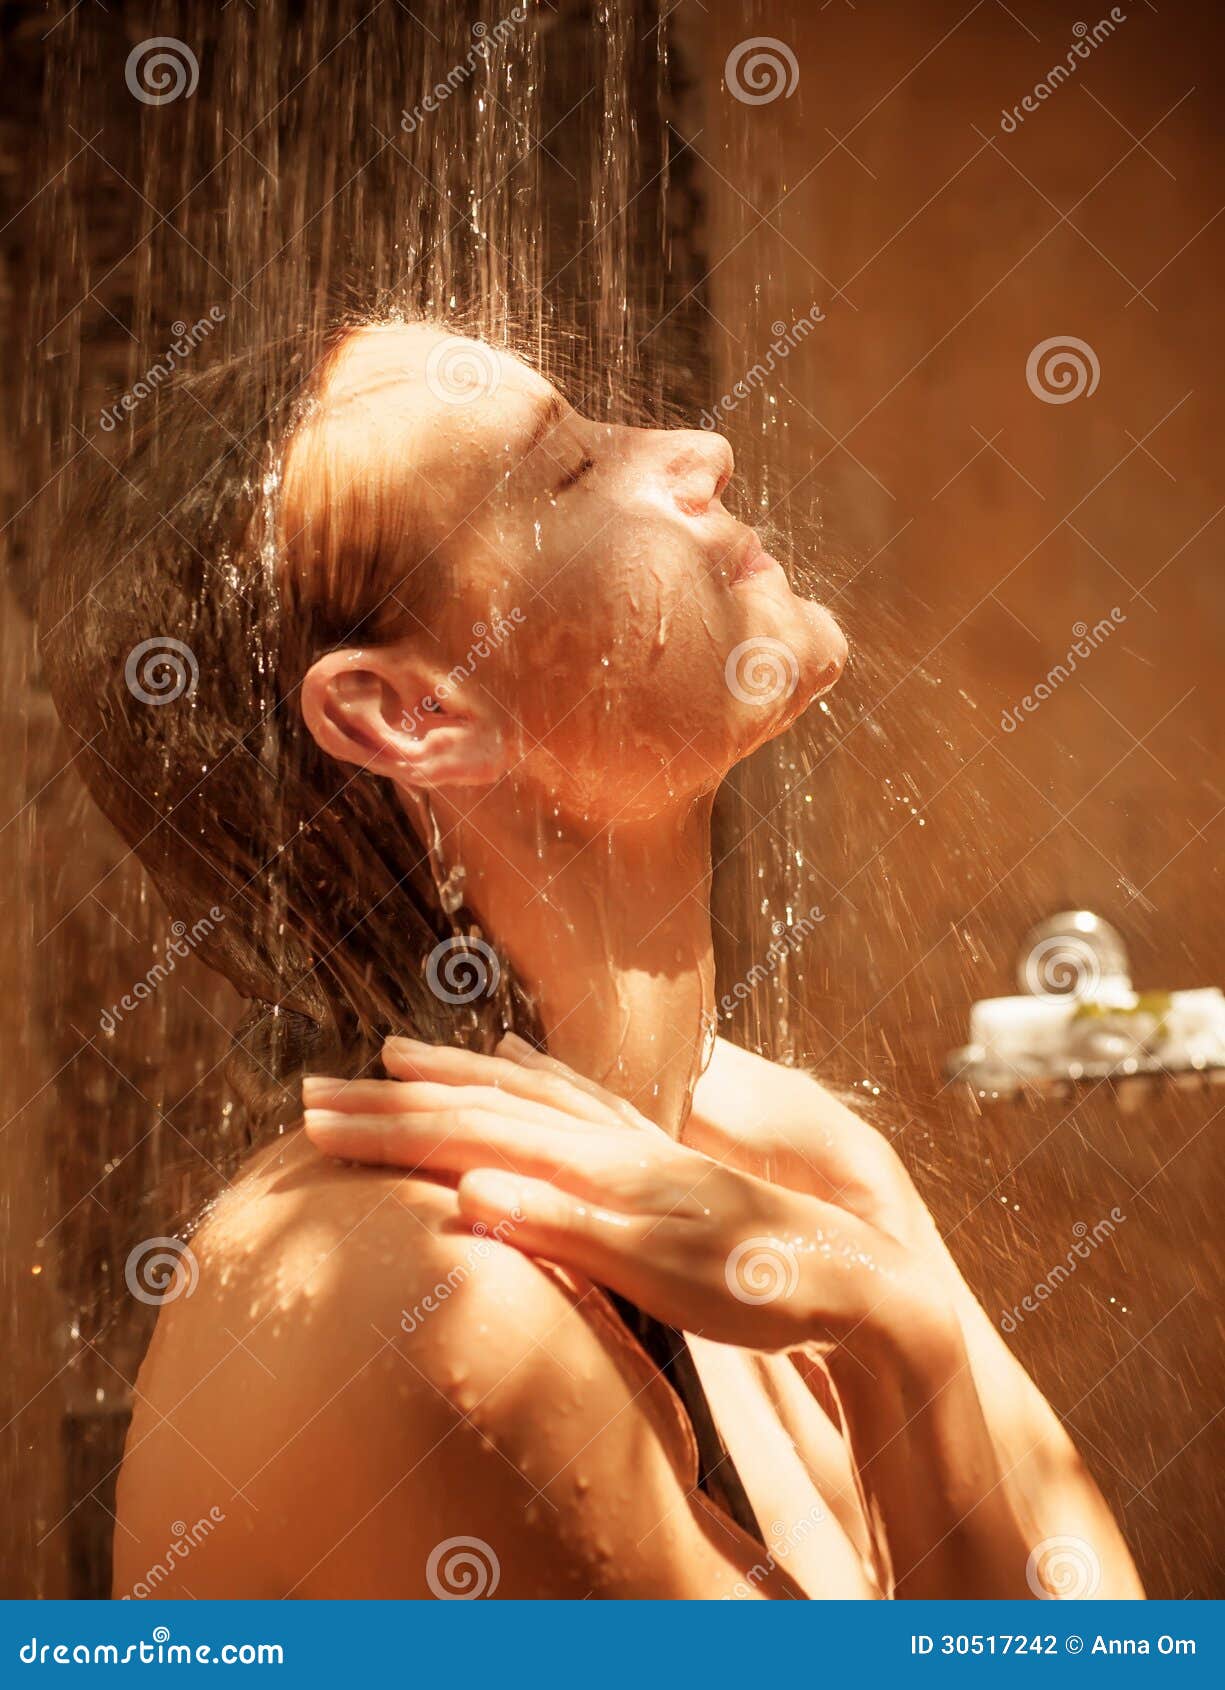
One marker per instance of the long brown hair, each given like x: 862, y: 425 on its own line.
x: 175, y: 642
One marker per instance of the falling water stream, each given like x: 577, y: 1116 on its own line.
x: 333, y: 164
x: 548, y: 193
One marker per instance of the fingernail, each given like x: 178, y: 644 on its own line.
x: 320, y: 1089
x: 337, y: 1121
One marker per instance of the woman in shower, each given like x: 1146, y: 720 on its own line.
x: 463, y: 680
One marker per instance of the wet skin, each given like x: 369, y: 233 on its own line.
x: 570, y: 773
x: 571, y: 769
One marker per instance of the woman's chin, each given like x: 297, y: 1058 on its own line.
x: 779, y: 671
x: 827, y: 646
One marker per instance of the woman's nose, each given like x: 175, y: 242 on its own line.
x: 697, y: 467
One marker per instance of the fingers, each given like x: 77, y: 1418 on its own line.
x: 451, y: 1110
x: 525, y: 1056
x: 429, y: 1085
x: 557, y: 1087
x: 763, y: 1279
x: 662, y: 1265
x: 594, y: 1164
x: 541, y: 1220
x: 362, y: 1096
x: 414, y: 1064
x: 415, y: 1097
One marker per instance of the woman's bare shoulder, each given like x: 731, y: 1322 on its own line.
x: 352, y: 1360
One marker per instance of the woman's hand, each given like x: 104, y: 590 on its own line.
x: 1001, y: 1470
x: 782, y: 1124
x: 960, y: 1458
x: 562, y: 1169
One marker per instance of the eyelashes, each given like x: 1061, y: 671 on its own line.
x: 576, y: 475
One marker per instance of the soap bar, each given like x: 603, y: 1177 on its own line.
x: 1020, y: 1026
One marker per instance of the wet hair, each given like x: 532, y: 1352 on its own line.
x: 175, y: 641
x: 189, y: 597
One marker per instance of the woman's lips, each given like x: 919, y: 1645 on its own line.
x: 754, y: 560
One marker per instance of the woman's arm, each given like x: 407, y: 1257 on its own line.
x: 956, y: 1412
x: 603, y: 1191
x: 928, y: 1466
x: 1040, y: 1470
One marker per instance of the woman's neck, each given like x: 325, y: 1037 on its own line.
x: 609, y: 932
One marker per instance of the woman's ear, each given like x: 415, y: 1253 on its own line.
x: 386, y: 712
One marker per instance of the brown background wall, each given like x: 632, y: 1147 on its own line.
x: 967, y: 527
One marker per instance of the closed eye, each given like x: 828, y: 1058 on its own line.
x: 575, y: 475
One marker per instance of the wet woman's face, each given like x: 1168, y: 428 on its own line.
x: 640, y: 640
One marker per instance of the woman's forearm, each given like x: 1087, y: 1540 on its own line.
x: 1039, y: 1462
x: 976, y: 1389
x: 929, y: 1466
